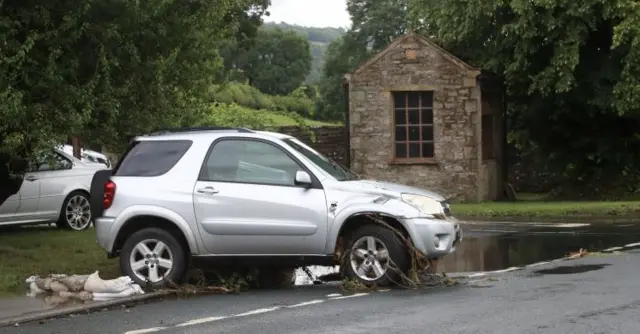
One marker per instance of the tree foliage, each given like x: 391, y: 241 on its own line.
x: 279, y: 62
x: 319, y: 39
x: 375, y: 23
x: 103, y: 70
x: 571, y: 70
x: 250, y: 97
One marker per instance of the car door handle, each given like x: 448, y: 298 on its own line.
x: 208, y: 190
x: 31, y: 178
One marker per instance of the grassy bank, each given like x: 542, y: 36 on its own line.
x: 283, y: 120
x: 539, y: 210
x: 41, y: 251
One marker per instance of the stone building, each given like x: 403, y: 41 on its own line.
x: 418, y: 116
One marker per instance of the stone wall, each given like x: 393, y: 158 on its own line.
x: 331, y: 141
x: 455, y: 170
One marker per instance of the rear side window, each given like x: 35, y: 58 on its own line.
x: 151, y: 158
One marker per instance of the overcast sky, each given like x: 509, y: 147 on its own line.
x: 310, y: 13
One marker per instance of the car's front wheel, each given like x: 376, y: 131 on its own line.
x: 375, y: 256
x: 76, y: 212
x: 153, y: 256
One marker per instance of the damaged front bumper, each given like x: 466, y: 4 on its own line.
x: 435, y: 237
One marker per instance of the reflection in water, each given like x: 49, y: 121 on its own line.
x: 564, y: 270
x: 56, y: 300
x: 522, y: 248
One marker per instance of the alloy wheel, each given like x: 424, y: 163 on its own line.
x: 151, y: 260
x: 369, y: 258
x: 78, y: 212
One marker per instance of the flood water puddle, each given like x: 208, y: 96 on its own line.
x: 514, y: 249
x: 564, y: 270
x: 501, y: 246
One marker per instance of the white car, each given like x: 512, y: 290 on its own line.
x: 56, y: 189
x: 89, y: 156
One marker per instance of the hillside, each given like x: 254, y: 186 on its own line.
x: 319, y: 39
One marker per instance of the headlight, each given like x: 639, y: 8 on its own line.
x: 425, y: 204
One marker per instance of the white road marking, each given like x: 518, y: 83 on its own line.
x: 635, y: 244
x: 258, y: 311
x: 200, y: 321
x: 566, y: 225
x: 613, y: 249
x: 478, y: 274
x: 384, y: 290
x: 539, y: 264
x: 350, y: 296
x: 334, y: 295
x: 311, y: 302
x: 146, y: 330
x: 506, y: 270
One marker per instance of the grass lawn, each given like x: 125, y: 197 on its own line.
x: 540, y: 209
x: 283, y: 120
x: 27, y: 251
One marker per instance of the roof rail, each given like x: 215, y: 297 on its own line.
x: 196, y: 128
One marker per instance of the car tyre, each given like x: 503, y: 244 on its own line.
x: 153, y: 257
x: 370, y: 253
x: 75, y: 213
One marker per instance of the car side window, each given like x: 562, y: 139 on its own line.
x: 52, y: 162
x: 249, y: 161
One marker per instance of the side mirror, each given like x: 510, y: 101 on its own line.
x: 303, y: 178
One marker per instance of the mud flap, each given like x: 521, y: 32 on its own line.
x: 96, y: 193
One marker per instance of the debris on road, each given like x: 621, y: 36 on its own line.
x: 421, y: 271
x: 61, y: 288
x: 580, y: 253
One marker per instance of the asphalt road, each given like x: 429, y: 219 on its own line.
x: 603, y: 298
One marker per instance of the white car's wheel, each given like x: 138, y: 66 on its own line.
x: 76, y: 212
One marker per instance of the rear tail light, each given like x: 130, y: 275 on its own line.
x: 109, y: 194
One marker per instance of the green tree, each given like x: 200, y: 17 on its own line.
x: 243, y: 35
x: 279, y: 61
x: 103, y: 70
x: 375, y: 23
x: 342, y: 56
x: 572, y: 74
x: 319, y: 39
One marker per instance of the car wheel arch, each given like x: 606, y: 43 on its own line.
x: 359, y: 219
x: 140, y: 222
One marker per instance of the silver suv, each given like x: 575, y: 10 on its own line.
x: 253, y: 197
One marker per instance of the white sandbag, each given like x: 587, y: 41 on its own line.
x: 75, y: 283
x: 33, y: 287
x: 44, y: 283
x: 134, y: 289
x: 95, y: 284
x: 84, y: 295
x: 34, y: 290
x: 56, y: 286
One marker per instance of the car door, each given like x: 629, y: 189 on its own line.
x: 9, y: 207
x: 54, y: 177
x: 246, y: 201
x: 29, y: 195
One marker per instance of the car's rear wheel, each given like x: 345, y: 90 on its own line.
x: 375, y: 256
x: 76, y: 212
x: 153, y: 256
